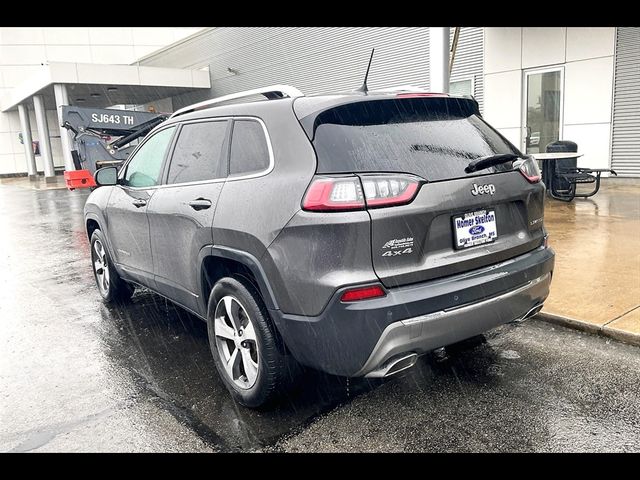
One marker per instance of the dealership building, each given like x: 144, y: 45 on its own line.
x: 535, y: 85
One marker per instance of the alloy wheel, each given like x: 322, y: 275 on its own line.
x: 236, y: 342
x: 100, y: 266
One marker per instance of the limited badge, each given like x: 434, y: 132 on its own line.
x: 398, y: 246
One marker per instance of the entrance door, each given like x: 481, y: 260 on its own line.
x: 542, y: 108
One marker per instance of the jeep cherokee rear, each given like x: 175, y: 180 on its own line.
x: 371, y: 235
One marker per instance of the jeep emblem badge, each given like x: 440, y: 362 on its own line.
x: 483, y: 189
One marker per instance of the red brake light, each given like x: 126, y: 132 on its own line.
x: 334, y: 194
x: 529, y: 169
x: 353, y: 193
x: 362, y: 293
x: 426, y: 94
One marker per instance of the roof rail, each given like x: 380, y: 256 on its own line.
x: 271, y: 92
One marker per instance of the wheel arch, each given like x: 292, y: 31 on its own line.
x: 219, y: 261
x: 91, y: 225
x: 93, y: 222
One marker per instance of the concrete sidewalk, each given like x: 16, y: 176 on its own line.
x: 39, y: 184
x: 596, y: 282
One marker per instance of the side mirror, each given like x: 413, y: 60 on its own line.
x: 106, y: 176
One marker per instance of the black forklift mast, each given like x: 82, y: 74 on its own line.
x: 103, y: 136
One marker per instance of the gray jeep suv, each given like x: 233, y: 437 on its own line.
x: 350, y: 233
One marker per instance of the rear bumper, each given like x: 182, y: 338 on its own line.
x: 427, y: 332
x: 356, y: 339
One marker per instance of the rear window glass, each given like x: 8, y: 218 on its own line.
x: 249, y: 151
x: 430, y: 137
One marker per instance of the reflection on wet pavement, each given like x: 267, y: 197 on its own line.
x: 167, y: 351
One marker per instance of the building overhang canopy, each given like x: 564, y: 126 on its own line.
x: 101, y: 86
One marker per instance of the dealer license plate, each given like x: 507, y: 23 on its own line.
x: 475, y: 228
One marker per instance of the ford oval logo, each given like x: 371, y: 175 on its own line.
x: 477, y: 230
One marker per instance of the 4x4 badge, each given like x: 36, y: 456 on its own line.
x: 393, y: 253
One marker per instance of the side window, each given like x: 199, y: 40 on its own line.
x: 198, y: 153
x: 144, y: 168
x: 461, y: 87
x: 249, y: 151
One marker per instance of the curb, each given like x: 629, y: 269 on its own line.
x: 605, y: 331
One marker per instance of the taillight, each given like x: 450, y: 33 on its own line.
x: 529, y: 169
x: 362, y: 293
x: 389, y: 190
x: 418, y: 94
x: 349, y: 193
x: 334, y: 194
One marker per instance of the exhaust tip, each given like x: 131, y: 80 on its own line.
x: 530, y: 313
x: 394, y: 365
x: 533, y: 311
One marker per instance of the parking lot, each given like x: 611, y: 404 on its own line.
x: 76, y: 375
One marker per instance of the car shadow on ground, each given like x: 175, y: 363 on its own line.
x: 165, y: 351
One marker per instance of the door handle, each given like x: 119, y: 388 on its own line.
x: 200, y: 204
x: 139, y: 203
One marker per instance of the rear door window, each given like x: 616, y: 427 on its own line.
x: 249, y: 148
x: 430, y: 137
x: 198, y: 154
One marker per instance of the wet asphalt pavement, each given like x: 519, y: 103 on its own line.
x: 77, y: 375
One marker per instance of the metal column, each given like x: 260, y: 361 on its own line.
x: 45, y: 142
x: 62, y: 98
x: 439, y: 59
x: 23, y: 111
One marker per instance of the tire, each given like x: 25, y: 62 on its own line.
x: 111, y: 286
x: 260, y: 372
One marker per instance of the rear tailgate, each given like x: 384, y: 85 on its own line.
x: 417, y: 242
x: 458, y: 221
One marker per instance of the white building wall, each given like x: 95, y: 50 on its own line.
x: 314, y: 59
x: 22, y: 50
x: 625, y: 137
x: 587, y: 57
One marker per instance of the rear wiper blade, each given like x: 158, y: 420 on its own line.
x: 490, y: 161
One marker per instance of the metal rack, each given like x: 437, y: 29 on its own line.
x: 271, y: 92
